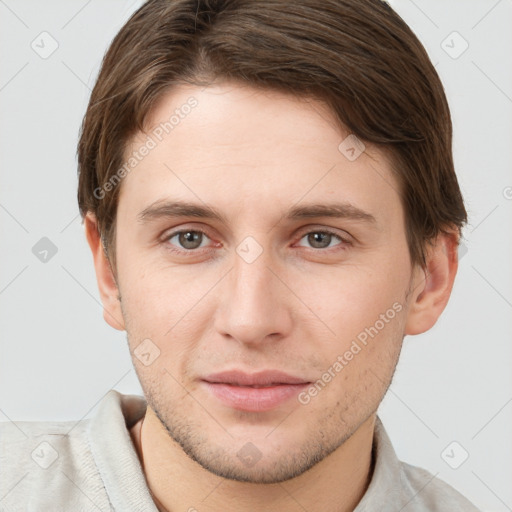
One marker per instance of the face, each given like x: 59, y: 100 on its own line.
x: 263, y: 279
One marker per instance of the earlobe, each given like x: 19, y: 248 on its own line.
x: 433, y: 284
x: 107, y: 285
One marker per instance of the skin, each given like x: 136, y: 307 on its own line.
x: 253, y: 155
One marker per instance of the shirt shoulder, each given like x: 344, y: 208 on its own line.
x: 396, y: 485
x: 77, y: 466
x: 426, y: 492
x: 49, y: 466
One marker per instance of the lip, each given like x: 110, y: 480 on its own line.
x: 253, y: 392
x: 261, y: 378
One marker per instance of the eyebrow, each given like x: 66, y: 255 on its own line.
x: 171, y: 209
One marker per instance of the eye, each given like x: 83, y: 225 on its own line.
x: 322, y: 239
x: 187, y: 239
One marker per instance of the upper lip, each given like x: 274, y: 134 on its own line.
x: 261, y: 378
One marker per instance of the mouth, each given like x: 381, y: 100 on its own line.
x: 255, y: 392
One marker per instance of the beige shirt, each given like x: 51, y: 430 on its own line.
x: 92, y: 465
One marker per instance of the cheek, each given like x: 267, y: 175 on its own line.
x: 352, y: 298
x: 364, y: 309
x: 157, y: 294
x: 357, y: 369
x: 165, y: 306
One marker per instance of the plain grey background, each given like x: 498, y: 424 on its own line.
x: 449, y: 408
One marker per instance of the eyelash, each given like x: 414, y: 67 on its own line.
x: 167, y: 238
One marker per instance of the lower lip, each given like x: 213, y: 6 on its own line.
x: 254, y: 399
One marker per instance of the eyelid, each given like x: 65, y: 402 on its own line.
x: 170, y: 232
x: 343, y: 235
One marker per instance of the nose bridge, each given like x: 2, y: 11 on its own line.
x: 252, y: 281
x: 252, y: 304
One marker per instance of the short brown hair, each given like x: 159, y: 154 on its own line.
x: 357, y: 56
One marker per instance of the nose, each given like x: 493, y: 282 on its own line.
x: 254, y: 304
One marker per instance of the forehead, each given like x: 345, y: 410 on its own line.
x: 245, y: 148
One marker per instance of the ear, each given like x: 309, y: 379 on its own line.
x: 107, y: 285
x: 432, y: 285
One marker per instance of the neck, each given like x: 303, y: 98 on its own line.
x: 337, y: 483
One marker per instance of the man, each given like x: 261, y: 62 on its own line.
x: 269, y: 196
